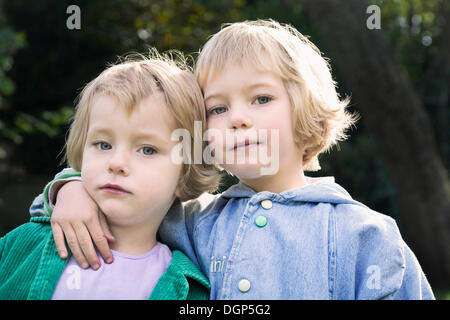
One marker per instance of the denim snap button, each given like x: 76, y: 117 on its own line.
x: 266, y: 204
x: 261, y: 221
x: 244, y: 285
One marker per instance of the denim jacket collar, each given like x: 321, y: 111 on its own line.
x: 322, y: 189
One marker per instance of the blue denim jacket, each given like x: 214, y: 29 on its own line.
x: 313, y: 242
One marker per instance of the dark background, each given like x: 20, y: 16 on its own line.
x: 396, y: 160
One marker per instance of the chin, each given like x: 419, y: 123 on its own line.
x: 113, y: 210
x: 246, y: 171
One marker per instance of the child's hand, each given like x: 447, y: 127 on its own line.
x: 77, y: 217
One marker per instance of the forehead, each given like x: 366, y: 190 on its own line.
x: 258, y: 49
x: 260, y: 63
x: 241, y: 76
x: 150, y: 113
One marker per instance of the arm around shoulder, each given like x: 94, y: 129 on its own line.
x: 44, y: 202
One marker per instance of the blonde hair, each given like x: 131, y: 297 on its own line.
x: 130, y: 81
x: 319, y: 116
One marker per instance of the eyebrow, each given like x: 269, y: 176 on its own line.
x: 247, y: 88
x: 213, y: 96
x: 260, y: 84
x: 139, y: 135
x: 150, y: 135
x: 98, y: 130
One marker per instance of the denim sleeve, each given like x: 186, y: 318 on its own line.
x: 373, y: 261
x: 37, y: 207
x: 415, y: 285
x: 177, y: 228
x: 40, y: 206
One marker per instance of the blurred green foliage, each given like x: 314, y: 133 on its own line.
x: 442, y: 294
x: 10, y: 42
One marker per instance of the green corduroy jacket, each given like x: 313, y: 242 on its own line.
x: 30, y: 268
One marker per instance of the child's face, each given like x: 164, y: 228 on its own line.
x: 244, y: 101
x: 127, y: 167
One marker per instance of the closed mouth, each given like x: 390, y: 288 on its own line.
x: 245, y: 144
x: 114, y: 189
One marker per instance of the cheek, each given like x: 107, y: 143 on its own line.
x: 91, y: 167
x: 280, y: 136
x: 159, y: 181
x: 91, y: 162
x: 216, y: 123
x: 215, y: 135
x: 88, y: 174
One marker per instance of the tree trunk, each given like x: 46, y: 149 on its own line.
x: 441, y: 74
x: 399, y: 124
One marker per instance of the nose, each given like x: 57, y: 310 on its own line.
x: 118, y: 164
x: 240, y: 118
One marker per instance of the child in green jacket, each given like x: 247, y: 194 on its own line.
x: 121, y: 141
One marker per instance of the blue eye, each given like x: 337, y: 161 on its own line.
x: 148, y: 151
x: 263, y: 99
x: 103, y: 145
x: 218, y: 110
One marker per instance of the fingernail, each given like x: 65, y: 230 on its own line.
x: 96, y: 266
x: 84, y: 265
x: 109, y: 260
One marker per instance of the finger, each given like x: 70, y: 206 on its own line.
x: 99, y: 235
x: 58, y: 236
x: 105, y: 227
x: 86, y: 245
x: 72, y: 241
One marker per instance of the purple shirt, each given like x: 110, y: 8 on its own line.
x: 128, y: 277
